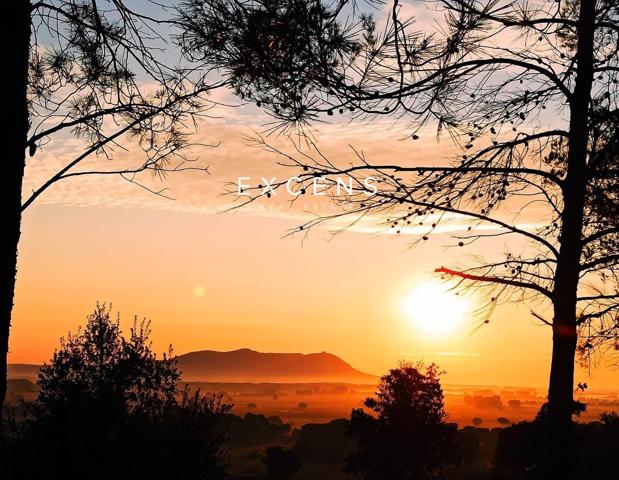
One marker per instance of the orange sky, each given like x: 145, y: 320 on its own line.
x: 212, y: 281
x: 209, y: 280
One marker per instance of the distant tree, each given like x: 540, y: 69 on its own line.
x: 503, y: 421
x: 404, y: 435
x: 280, y: 462
x: 97, y: 72
x: 477, y: 421
x: 514, y: 403
x: 109, y: 408
x: 256, y: 429
x: 326, y: 443
x: 527, y: 91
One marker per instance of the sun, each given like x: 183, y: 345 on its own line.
x: 435, y: 310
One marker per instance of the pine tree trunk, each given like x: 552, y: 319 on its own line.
x: 17, y: 12
x: 561, y: 386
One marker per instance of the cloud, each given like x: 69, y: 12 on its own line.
x: 192, y: 191
x: 196, y: 192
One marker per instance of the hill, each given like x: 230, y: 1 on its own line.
x: 247, y: 365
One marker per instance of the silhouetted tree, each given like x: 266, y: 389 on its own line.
x: 95, y: 71
x: 528, y: 93
x: 256, y: 429
x: 405, y: 435
x: 109, y: 408
x: 326, y: 443
x: 280, y: 462
x: 101, y: 370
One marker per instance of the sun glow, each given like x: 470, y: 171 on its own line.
x: 435, y: 310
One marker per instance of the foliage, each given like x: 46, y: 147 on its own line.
x: 327, y: 443
x: 256, y: 429
x: 591, y: 451
x: 404, y: 436
x: 108, y: 408
x: 99, y: 367
x: 100, y: 72
x: 280, y: 54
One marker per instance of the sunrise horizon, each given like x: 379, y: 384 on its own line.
x: 198, y: 308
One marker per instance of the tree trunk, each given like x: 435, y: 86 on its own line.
x: 561, y: 386
x: 17, y: 12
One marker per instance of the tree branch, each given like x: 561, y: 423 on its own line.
x: 489, y: 279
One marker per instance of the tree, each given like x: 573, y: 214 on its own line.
x: 528, y: 94
x: 405, y: 435
x: 108, y: 406
x: 101, y: 370
x: 94, y: 71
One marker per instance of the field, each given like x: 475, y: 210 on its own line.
x: 302, y: 403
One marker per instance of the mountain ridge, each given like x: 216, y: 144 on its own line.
x: 245, y: 365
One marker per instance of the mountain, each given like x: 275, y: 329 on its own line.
x: 247, y: 365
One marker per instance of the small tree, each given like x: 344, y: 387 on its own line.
x: 98, y: 369
x: 109, y: 408
x: 404, y: 436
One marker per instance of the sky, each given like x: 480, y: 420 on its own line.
x: 209, y: 278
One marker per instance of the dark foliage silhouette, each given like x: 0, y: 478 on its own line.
x: 324, y: 443
x: 404, y: 436
x: 256, y: 429
x: 97, y: 72
x: 108, y: 408
x: 526, y: 90
x: 592, y: 450
x: 100, y: 365
x: 280, y: 462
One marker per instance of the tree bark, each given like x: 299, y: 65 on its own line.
x: 17, y: 12
x: 561, y: 385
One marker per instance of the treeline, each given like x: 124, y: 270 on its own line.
x: 108, y: 408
